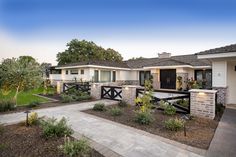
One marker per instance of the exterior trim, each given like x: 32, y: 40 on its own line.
x: 92, y: 66
x: 217, y: 55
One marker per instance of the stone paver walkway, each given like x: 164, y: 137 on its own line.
x: 121, y: 139
x: 224, y: 141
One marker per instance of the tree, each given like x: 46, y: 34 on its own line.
x: 86, y: 50
x: 20, y: 74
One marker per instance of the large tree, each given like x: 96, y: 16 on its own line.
x: 86, y: 50
x: 20, y: 74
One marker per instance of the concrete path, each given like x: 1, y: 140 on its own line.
x: 121, y: 139
x: 224, y: 141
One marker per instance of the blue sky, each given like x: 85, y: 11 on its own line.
x: 42, y: 28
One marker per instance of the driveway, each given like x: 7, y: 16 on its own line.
x: 123, y: 140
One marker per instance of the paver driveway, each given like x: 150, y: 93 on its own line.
x: 121, y: 139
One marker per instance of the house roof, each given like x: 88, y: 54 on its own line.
x: 225, y: 49
x: 97, y: 63
x: 190, y: 60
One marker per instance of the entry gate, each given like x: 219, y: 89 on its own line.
x: 111, y: 92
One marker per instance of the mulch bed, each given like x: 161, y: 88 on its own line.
x: 200, y: 131
x: 19, y: 140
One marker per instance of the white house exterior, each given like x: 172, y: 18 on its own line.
x: 224, y: 72
x: 164, y: 69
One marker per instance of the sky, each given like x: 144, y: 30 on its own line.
x: 134, y: 28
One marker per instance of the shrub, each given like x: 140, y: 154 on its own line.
x: 76, y: 148
x: 183, y: 103
x: 66, y: 98
x: 174, y: 124
x: 143, y: 117
x: 7, y: 105
x: 54, y: 128
x: 115, y: 111
x: 99, y: 107
x: 33, y: 104
x: 33, y: 118
x: 168, y: 108
x: 123, y: 103
x: 83, y: 97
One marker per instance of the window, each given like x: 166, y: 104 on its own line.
x: 74, y: 72
x: 113, y: 76
x: 105, y: 76
x: 144, y: 75
x: 82, y: 72
x: 55, y: 71
x: 96, y: 74
x: 67, y: 72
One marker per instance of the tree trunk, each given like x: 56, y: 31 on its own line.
x: 15, y: 97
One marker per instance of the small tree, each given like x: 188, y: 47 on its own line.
x: 20, y: 74
x: 145, y: 100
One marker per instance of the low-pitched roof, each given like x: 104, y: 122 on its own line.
x: 225, y: 49
x: 190, y: 60
x: 97, y: 63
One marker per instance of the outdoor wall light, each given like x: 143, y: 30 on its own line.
x: 201, y: 93
x: 126, y: 88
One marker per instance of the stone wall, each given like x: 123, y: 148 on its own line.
x: 221, y: 94
x: 129, y: 94
x: 202, y: 103
x: 127, y: 82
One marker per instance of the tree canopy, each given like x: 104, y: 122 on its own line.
x: 20, y: 74
x: 86, y: 50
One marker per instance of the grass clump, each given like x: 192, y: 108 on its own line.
x: 143, y: 117
x: 99, y: 107
x: 66, y: 98
x: 76, y: 148
x: 7, y: 105
x: 115, y: 111
x: 33, y: 118
x: 168, y: 108
x: 122, y: 103
x: 183, y: 103
x: 174, y: 124
x: 54, y: 128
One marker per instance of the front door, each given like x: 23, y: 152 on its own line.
x: 168, y: 78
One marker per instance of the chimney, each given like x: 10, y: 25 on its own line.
x: 164, y: 55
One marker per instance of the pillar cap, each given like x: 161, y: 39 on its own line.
x: 203, y: 91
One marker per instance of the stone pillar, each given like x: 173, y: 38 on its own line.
x: 96, y: 90
x: 221, y: 94
x: 202, y: 103
x: 129, y: 94
x: 59, y: 87
x: 156, y: 83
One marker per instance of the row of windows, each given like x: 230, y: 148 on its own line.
x: 75, y: 72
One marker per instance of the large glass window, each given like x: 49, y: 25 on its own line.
x: 105, y: 76
x: 96, y: 74
x: 113, y: 76
x: 144, y: 75
x: 74, y: 72
x: 55, y: 71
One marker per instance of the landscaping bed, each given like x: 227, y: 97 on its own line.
x: 19, y: 140
x: 199, y: 131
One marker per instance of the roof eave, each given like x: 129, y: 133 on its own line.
x: 216, y: 55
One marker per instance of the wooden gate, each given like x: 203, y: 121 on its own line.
x: 80, y: 86
x: 172, y: 97
x: 111, y: 92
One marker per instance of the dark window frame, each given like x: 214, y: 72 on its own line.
x: 82, y: 71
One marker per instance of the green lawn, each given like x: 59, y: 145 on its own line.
x: 25, y: 97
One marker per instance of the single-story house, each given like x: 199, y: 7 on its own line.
x: 165, y: 69
x: 223, y: 71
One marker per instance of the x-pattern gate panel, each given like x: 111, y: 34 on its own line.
x: 111, y: 92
